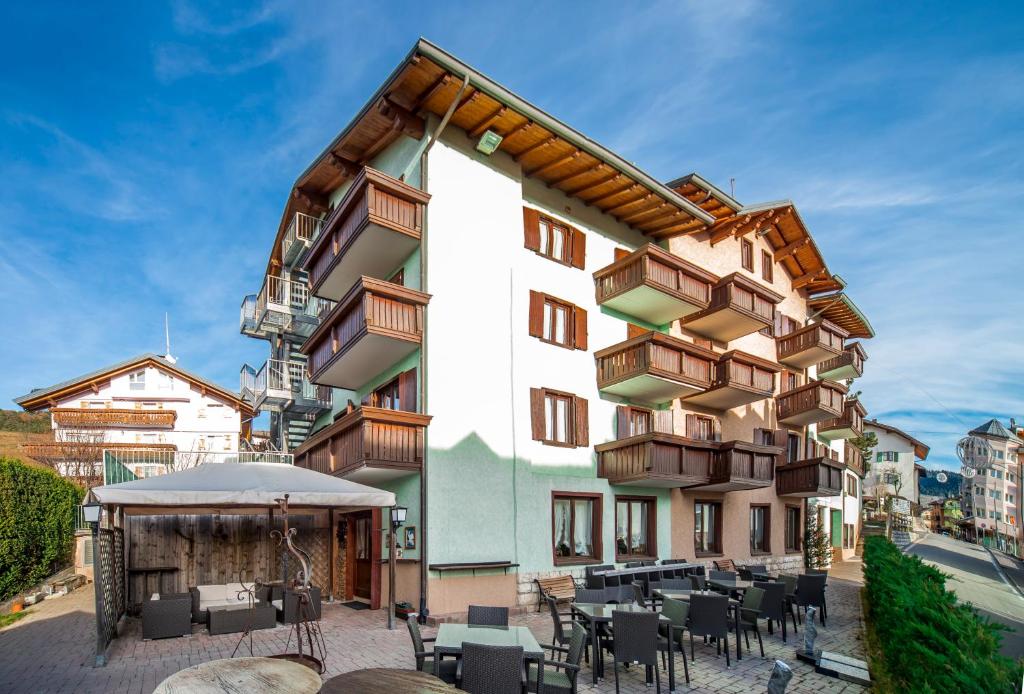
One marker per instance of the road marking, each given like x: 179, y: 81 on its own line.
x: 1002, y: 574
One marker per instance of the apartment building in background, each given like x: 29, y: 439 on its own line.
x: 553, y: 359
x: 896, y: 463
x: 991, y: 498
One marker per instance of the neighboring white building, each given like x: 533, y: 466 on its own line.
x: 897, y: 453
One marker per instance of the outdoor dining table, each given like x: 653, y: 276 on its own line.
x: 256, y: 675
x: 386, y: 680
x: 450, y: 638
x: 600, y: 613
x: 734, y: 605
x: 730, y: 584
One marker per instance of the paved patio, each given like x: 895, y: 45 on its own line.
x: 52, y: 650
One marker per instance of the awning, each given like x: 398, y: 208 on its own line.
x: 238, y: 487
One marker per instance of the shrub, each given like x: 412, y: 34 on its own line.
x: 37, y: 518
x: 928, y: 641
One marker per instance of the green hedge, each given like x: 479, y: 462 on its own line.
x: 927, y: 641
x: 37, y: 519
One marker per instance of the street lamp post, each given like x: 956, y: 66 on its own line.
x: 398, y: 515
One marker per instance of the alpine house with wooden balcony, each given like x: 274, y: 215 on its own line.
x: 536, y: 302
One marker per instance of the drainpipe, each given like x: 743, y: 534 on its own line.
x: 422, y: 156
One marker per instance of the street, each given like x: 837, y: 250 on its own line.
x: 976, y: 580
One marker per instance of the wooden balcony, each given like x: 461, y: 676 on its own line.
x: 371, y: 232
x: 810, y: 344
x: 739, y: 306
x: 739, y: 379
x: 849, y: 425
x: 741, y: 465
x: 848, y: 364
x: 656, y: 460
x: 654, y: 368
x: 810, y: 403
x: 76, y: 450
x: 820, y: 476
x: 654, y: 286
x: 373, y: 326
x: 71, y: 417
x: 853, y: 459
x: 369, y: 445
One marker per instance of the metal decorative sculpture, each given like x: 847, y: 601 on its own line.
x: 781, y: 675
x: 810, y: 631
x: 975, y: 453
x: 307, y: 628
x: 250, y: 593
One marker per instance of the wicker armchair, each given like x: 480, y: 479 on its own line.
x: 635, y: 640
x: 774, y: 604
x: 562, y: 680
x: 493, y: 669
x: 677, y: 613
x: 170, y: 615
x: 750, y: 611
x: 288, y: 606
x: 488, y: 616
x: 447, y: 670
x: 810, y: 592
x: 709, y: 616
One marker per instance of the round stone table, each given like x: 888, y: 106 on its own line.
x: 248, y: 675
x: 386, y: 680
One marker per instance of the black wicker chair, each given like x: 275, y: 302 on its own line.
x: 596, y: 596
x: 290, y: 611
x: 750, y: 611
x: 810, y: 592
x: 709, y: 616
x: 488, y: 616
x: 722, y: 575
x: 638, y: 595
x: 635, y: 640
x: 634, y: 564
x: 560, y: 623
x: 563, y: 679
x: 676, y: 584
x: 170, y: 615
x: 774, y: 604
x: 697, y: 582
x: 492, y: 669
x: 447, y: 670
x: 789, y: 580
x: 678, y: 614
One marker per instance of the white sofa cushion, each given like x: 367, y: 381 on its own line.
x: 279, y: 604
x: 215, y: 592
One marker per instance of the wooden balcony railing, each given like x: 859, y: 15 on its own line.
x: 739, y: 306
x: 853, y: 459
x: 75, y: 450
x: 96, y: 418
x: 653, y: 285
x: 743, y: 465
x: 368, y: 444
x: 849, y: 364
x: 381, y: 211
x: 820, y: 476
x: 848, y: 425
x: 654, y: 367
x: 656, y: 460
x: 378, y: 321
x: 810, y: 344
x: 738, y: 379
x: 810, y: 403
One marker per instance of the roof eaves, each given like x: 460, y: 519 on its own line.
x: 702, y: 182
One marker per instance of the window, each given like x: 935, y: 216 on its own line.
x: 397, y: 394
x: 576, y: 527
x: 165, y: 381
x: 792, y: 448
x: 552, y: 239
x: 703, y: 428
x: 887, y: 457
x: 557, y: 322
x: 851, y: 485
x: 790, y: 380
x: 793, y: 536
x: 849, y: 535
x: 387, y: 396
x: 760, y: 529
x: 767, y: 266
x: 707, y: 529
x: 137, y: 380
x: 635, y: 421
x: 398, y: 278
x: 747, y: 255
x: 635, y: 527
x: 559, y: 419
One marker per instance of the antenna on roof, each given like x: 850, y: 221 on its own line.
x: 167, y: 337
x: 732, y: 188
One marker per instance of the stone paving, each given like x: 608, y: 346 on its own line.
x: 52, y: 650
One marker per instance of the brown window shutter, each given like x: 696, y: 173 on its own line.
x: 633, y: 330
x: 536, y: 314
x: 783, y: 381
x: 531, y: 228
x: 777, y: 325
x: 537, y: 413
x: 579, y: 248
x: 622, y: 422
x: 691, y: 426
x: 716, y: 429
x: 407, y: 390
x: 580, y: 407
x: 781, y: 437
x: 662, y: 421
x: 621, y: 253
x: 579, y: 327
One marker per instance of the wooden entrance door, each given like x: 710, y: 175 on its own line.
x: 837, y: 528
x: 363, y: 539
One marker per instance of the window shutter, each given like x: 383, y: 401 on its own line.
x: 633, y: 330
x: 716, y: 428
x: 691, y: 426
x: 537, y: 413
x: 579, y: 248
x: 662, y: 421
x: 781, y: 437
x: 536, y: 314
x: 777, y: 324
x: 580, y: 407
x: 621, y: 422
x: 531, y: 228
x: 621, y: 253
x: 407, y: 390
x: 580, y: 327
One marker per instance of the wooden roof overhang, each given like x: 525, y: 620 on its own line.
x: 838, y: 308
x: 427, y: 82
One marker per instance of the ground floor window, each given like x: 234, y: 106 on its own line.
x: 793, y: 540
x: 576, y: 527
x: 635, y: 527
x: 849, y: 536
x: 707, y: 528
x: 760, y: 519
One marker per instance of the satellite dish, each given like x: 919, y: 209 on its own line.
x: 968, y: 472
x: 942, y: 478
x: 975, y: 452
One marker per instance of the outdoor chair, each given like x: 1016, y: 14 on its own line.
x: 676, y: 584
x: 634, y: 564
x: 750, y: 611
x: 697, y: 582
x: 757, y: 568
x: 722, y: 575
x: 166, y: 615
x: 447, y: 670
x: 621, y: 594
x: 289, y: 607
x: 492, y: 669
x: 725, y: 564
x: 678, y: 614
x: 488, y: 616
x: 638, y: 595
x: 559, y: 637
x: 810, y: 592
x: 635, y: 641
x: 649, y: 562
x: 596, y: 596
x: 709, y: 617
x: 593, y: 581
x: 773, y: 604
x: 789, y: 580
x: 562, y: 680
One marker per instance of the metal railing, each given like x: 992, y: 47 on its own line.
x: 302, y: 230
x: 247, y: 321
x: 279, y: 299
x: 247, y: 383
x: 127, y: 464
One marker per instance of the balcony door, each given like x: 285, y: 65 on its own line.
x: 362, y: 557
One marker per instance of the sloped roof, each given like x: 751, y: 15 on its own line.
x: 920, y: 449
x: 994, y: 429
x: 41, y: 398
x: 840, y: 309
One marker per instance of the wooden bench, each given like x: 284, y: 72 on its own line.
x: 725, y: 565
x: 561, y: 588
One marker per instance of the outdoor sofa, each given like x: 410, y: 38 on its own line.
x: 167, y: 614
x: 203, y: 597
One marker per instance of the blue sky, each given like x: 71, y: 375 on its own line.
x: 146, y: 152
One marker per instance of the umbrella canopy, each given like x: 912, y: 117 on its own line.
x: 238, y: 487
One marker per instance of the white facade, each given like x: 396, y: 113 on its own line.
x: 893, y: 456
